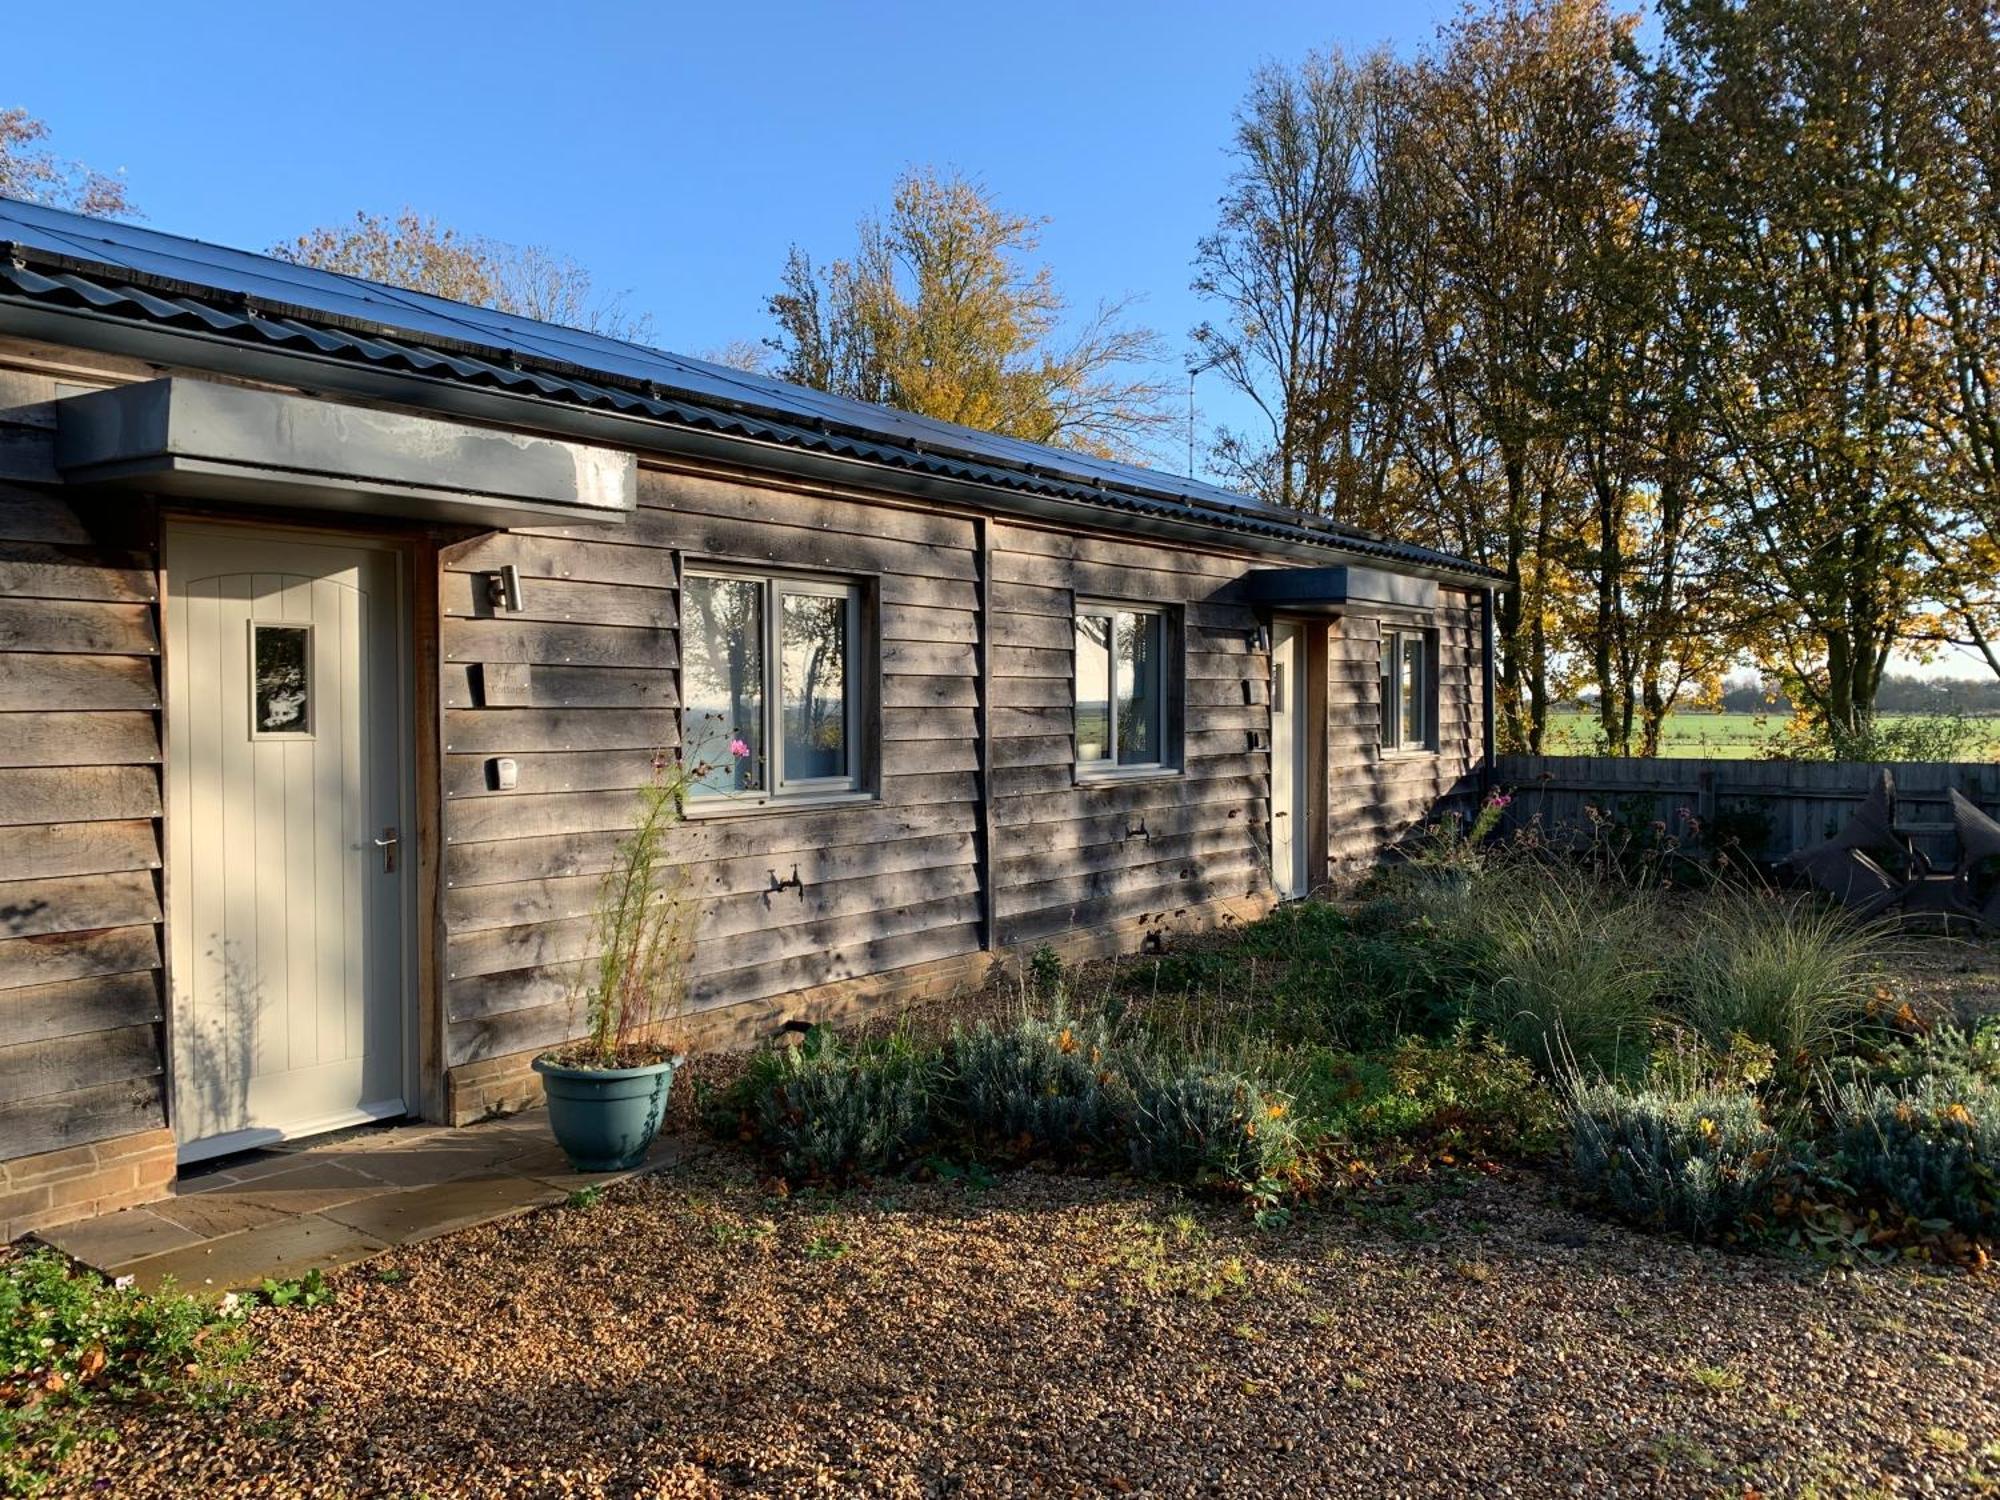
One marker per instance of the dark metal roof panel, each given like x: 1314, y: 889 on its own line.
x: 127, y: 271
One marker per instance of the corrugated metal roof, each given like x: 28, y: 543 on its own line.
x: 54, y: 258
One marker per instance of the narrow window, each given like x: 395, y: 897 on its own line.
x: 1408, y: 693
x: 1122, y: 684
x: 281, y: 681
x: 742, y: 733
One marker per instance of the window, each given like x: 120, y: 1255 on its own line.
x: 772, y: 698
x: 281, y: 681
x: 1407, y: 695
x: 1121, y: 689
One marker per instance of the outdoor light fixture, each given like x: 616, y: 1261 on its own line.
x: 503, y: 589
x: 1260, y: 639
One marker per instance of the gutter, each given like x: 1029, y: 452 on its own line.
x: 111, y: 334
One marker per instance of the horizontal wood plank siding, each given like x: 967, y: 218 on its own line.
x: 81, y: 1014
x: 582, y: 686
x: 1375, y: 799
x: 1073, y: 856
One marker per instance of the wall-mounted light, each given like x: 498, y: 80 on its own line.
x: 1260, y: 639
x: 503, y: 589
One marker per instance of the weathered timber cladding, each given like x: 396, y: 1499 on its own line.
x: 1373, y: 798
x: 582, y: 687
x: 81, y: 1021
x: 1071, y: 855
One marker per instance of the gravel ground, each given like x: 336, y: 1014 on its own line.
x: 691, y: 1335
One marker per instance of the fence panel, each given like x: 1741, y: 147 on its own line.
x: 1770, y: 808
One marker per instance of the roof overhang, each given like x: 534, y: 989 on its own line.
x: 198, y: 438
x: 1338, y: 590
x: 650, y: 432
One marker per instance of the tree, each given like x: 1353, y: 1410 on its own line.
x: 1310, y: 326
x: 28, y: 170
x: 1959, y: 226
x: 1797, y: 161
x: 1509, y: 136
x: 937, y: 311
x: 415, y: 251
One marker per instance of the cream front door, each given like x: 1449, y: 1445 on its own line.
x: 286, y: 811
x: 1289, y: 774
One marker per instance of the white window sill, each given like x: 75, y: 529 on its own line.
x: 1421, y: 752
x: 746, y: 805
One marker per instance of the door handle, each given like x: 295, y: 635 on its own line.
x: 387, y: 844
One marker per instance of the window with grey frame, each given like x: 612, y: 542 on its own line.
x: 1409, y: 690
x: 772, y: 694
x: 1125, y: 685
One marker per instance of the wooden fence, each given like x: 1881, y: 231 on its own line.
x: 1770, y: 808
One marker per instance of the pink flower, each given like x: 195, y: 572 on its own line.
x: 739, y: 748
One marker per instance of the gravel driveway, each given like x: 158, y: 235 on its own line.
x: 1067, y: 1336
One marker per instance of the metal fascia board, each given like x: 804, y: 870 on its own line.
x: 179, y: 424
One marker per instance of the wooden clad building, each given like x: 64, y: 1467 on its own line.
x: 340, y: 626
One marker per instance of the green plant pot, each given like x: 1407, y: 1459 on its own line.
x: 605, y: 1118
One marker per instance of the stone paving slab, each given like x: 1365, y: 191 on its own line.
x: 284, y: 1250
x: 114, y: 1239
x: 282, y: 1211
x: 305, y: 1187
x: 423, y: 1213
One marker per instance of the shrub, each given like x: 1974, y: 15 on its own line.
x: 1038, y: 1084
x: 1959, y: 1057
x: 1796, y: 974
x: 1568, y: 971
x: 1464, y: 1094
x: 68, y: 1336
x: 1703, y: 1164
x: 1475, y: 1095
x: 828, y: 1110
x: 1200, y: 1123
x: 1929, y: 1146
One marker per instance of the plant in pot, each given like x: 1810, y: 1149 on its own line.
x: 607, y: 1090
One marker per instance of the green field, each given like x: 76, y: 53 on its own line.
x: 1693, y: 734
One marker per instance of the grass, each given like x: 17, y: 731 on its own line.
x: 1694, y: 734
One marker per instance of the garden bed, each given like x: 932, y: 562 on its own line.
x: 1615, y: 1188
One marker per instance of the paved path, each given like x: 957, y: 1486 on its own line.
x: 328, y: 1202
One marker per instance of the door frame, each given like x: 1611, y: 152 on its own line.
x: 1309, y: 765
x: 419, y: 768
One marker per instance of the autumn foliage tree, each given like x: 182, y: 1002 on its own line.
x: 940, y: 310
x: 29, y: 170
x: 1692, y: 337
x: 414, y: 250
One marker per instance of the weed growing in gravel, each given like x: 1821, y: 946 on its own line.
x: 586, y: 1197
x: 1175, y: 1258
x: 69, y: 1338
x: 307, y: 1291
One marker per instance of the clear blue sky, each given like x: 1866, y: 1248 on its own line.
x: 675, y: 149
